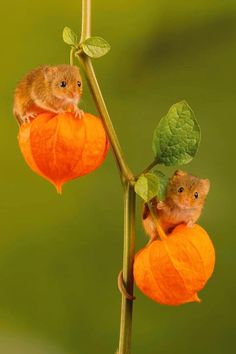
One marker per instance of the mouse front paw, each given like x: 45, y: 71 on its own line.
x: 161, y: 205
x: 78, y: 112
x: 28, y: 117
x: 190, y: 223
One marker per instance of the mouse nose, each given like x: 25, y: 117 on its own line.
x: 73, y: 94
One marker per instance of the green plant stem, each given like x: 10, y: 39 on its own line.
x: 86, y: 20
x: 160, y: 230
x: 149, y: 167
x: 72, y: 53
x: 127, y: 179
x: 124, y: 170
x: 86, y: 63
x: 128, y: 256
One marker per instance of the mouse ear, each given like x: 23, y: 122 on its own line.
x: 206, y: 185
x: 179, y: 173
x: 49, y: 72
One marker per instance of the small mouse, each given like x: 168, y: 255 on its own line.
x: 48, y: 88
x: 184, y: 201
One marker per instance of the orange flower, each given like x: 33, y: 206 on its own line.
x: 173, y: 270
x: 62, y: 147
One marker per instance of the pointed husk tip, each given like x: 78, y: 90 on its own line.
x: 58, y: 186
x: 195, y: 298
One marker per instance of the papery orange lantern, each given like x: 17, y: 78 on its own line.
x: 61, y: 147
x: 171, y: 271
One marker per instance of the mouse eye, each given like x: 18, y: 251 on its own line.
x: 196, y: 195
x: 62, y: 84
x: 181, y: 189
x: 79, y: 83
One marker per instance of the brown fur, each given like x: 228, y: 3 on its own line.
x: 178, y: 207
x: 40, y: 91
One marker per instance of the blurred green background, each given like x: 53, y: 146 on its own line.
x: 60, y: 255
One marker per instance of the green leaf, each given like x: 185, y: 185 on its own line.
x: 147, y: 186
x: 70, y: 37
x: 177, y: 137
x: 163, y: 183
x: 95, y: 47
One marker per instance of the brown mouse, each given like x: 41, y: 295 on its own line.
x: 48, y: 88
x: 184, y: 201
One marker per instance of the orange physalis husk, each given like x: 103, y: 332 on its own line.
x: 171, y: 271
x: 63, y: 147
